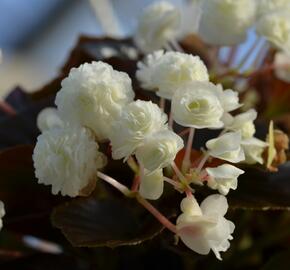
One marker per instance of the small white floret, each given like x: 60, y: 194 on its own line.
x: 197, y: 105
x: 159, y: 150
x: 223, y: 178
x: 253, y: 149
x: 204, y: 228
x: 227, y: 147
x: 48, y: 118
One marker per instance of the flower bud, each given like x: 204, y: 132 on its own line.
x: 48, y: 118
x: 151, y: 186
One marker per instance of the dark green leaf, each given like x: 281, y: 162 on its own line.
x: 108, y: 221
x: 261, y: 190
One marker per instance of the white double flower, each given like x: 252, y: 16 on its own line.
x: 225, y: 22
x: 167, y: 72
x: 157, y: 25
x: 137, y: 121
x: 67, y: 159
x: 93, y: 96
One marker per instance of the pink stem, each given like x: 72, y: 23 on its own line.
x: 170, y: 121
x: 202, y: 162
x: 162, y: 103
x: 186, y: 160
x: 160, y: 217
x: 177, y: 171
x: 184, y: 132
x: 115, y: 184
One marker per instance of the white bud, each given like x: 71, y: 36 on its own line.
x: 2, y: 213
x: 275, y: 27
x: 209, y: 230
x: 48, y: 118
x: 138, y: 120
x: 151, y: 186
x: 225, y: 22
x: 223, y: 178
x: 67, y: 159
x: 253, y: 149
x: 171, y: 71
x: 227, y: 147
x: 244, y: 122
x: 197, y: 105
x: 93, y: 96
x: 157, y: 25
x: 159, y: 150
x: 282, y: 66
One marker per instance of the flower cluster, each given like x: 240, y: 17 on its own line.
x: 96, y: 105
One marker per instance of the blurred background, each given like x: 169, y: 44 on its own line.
x: 37, y: 36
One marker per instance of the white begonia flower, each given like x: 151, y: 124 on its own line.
x: 93, y: 96
x: 159, y: 150
x: 282, y: 66
x: 275, y: 27
x: 171, y: 71
x: 146, y: 69
x: 152, y: 184
x: 2, y: 214
x: 267, y: 6
x: 137, y: 121
x: 48, y: 118
x: 253, y: 149
x: 227, y: 147
x: 244, y: 123
x: 229, y: 99
x: 157, y: 25
x: 223, y: 178
x: 67, y: 159
x: 225, y: 22
x: 204, y: 228
x: 197, y: 105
